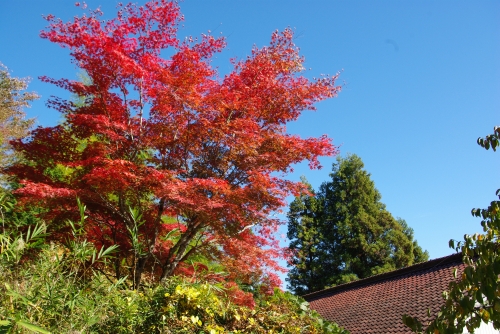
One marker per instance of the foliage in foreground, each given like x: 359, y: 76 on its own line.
x: 343, y: 232
x: 475, y: 298
x: 61, y: 288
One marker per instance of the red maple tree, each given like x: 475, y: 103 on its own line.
x: 199, y: 157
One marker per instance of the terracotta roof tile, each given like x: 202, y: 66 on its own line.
x: 376, y: 304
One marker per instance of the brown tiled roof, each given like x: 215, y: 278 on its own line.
x: 376, y: 304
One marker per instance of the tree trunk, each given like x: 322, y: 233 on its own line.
x: 176, y: 254
x: 139, y: 269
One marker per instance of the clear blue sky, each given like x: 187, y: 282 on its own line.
x: 421, y: 82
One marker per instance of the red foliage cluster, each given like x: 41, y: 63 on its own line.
x: 196, y: 154
x: 238, y: 296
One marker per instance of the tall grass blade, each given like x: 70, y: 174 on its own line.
x: 31, y: 327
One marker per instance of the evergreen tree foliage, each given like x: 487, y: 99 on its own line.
x: 344, y: 232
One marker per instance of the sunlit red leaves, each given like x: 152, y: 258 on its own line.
x: 239, y: 297
x: 172, y: 137
x: 40, y: 191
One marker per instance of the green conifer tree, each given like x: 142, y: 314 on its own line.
x: 344, y: 232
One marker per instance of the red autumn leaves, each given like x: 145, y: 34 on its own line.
x: 196, y: 154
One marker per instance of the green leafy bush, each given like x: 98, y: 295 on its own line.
x: 64, y: 288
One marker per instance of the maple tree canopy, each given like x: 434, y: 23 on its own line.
x: 199, y: 157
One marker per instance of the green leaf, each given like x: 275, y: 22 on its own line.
x: 32, y: 327
x: 18, y: 297
x: 497, y: 306
x: 468, y: 273
x: 485, y: 316
x: 4, y: 322
x: 494, y: 144
x: 413, y: 323
x: 496, y: 267
x: 479, y: 296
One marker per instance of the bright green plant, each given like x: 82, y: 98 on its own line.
x: 475, y: 297
x: 180, y: 306
x: 42, y: 290
x: 66, y: 288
